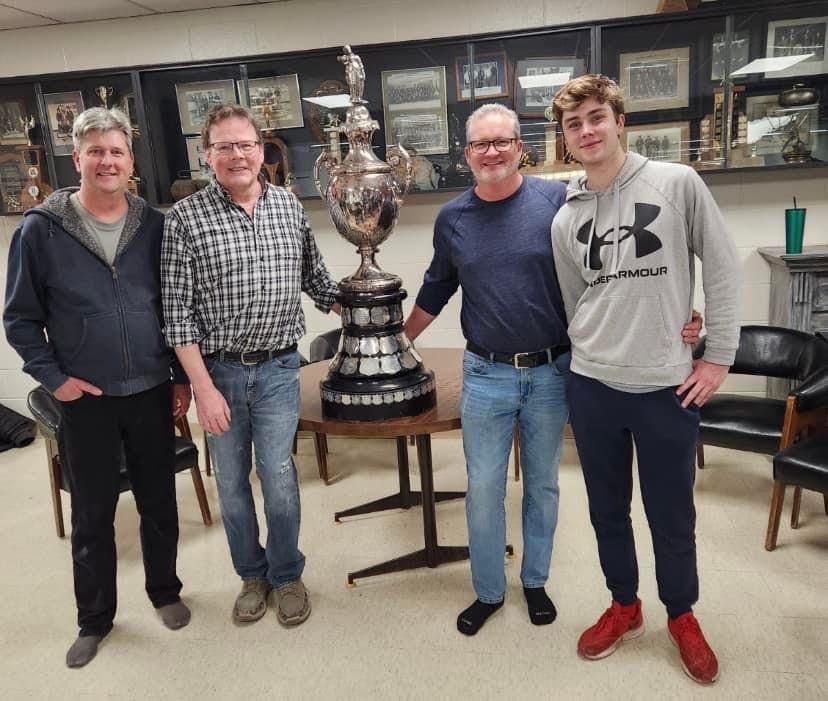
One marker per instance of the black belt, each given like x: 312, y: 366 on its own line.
x: 252, y: 357
x: 520, y: 360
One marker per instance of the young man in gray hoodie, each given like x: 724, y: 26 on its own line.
x: 624, y: 246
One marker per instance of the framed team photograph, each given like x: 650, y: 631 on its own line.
x: 414, y: 109
x: 275, y: 101
x: 489, y: 74
x: 669, y: 141
x: 656, y: 80
x: 13, y: 129
x: 61, y: 110
x: 799, y: 37
x: 739, y: 53
x: 538, y: 79
x: 195, y: 100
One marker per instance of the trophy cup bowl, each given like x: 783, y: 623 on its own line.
x: 376, y: 373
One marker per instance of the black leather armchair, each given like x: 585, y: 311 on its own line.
x: 46, y: 411
x: 756, y: 424
x: 803, y: 464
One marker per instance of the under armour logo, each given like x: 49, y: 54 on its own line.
x: 646, y: 242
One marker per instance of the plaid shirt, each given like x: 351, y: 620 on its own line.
x: 233, y: 283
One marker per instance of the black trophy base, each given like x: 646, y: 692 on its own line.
x: 347, y: 399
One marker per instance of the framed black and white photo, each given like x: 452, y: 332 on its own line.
x: 275, y: 101
x: 414, y: 109
x: 656, y: 80
x: 669, y: 141
x: 490, y: 75
x: 61, y: 110
x: 195, y: 100
x: 12, y: 127
x: 799, y: 37
x: 739, y: 53
x: 538, y: 79
x: 199, y: 170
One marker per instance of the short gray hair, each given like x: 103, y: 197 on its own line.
x: 100, y: 119
x: 493, y: 108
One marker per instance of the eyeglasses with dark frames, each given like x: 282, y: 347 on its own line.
x: 225, y: 148
x: 500, y: 145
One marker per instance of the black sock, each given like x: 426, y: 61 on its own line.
x: 541, y: 609
x: 472, y: 619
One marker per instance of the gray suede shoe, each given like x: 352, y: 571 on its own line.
x: 293, y: 603
x: 251, y: 603
x: 83, y: 650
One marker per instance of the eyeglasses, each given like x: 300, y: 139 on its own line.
x: 481, y: 147
x: 225, y: 148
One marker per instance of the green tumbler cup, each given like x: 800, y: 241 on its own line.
x: 794, y: 229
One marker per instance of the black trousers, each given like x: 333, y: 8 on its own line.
x: 606, y: 422
x: 95, y: 433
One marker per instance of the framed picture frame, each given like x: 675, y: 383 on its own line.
x: 656, y: 80
x: 538, y: 79
x: 61, y: 110
x: 197, y: 158
x: 666, y: 141
x: 414, y: 109
x: 275, y: 101
x: 13, y: 130
x: 739, y: 53
x: 790, y: 37
x: 490, y: 73
x: 195, y: 100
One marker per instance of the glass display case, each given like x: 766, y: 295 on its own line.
x: 731, y: 85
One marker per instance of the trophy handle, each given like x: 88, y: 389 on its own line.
x: 393, y: 155
x: 327, y: 160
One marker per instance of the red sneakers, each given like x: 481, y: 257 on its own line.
x: 698, y: 660
x: 616, y: 624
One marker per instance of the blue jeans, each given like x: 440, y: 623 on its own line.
x: 264, y: 411
x: 496, y: 397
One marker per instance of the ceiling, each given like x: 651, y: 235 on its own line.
x: 16, y: 14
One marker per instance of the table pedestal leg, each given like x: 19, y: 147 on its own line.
x: 405, y: 498
x: 433, y: 554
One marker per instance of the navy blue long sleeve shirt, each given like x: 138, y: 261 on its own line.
x: 501, y: 254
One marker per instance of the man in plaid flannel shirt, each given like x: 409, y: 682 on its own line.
x: 235, y: 258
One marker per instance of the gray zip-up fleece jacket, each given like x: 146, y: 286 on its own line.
x: 625, y: 263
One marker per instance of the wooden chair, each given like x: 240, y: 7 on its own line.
x: 803, y: 459
x: 46, y: 411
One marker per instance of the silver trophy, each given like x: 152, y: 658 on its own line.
x: 376, y: 373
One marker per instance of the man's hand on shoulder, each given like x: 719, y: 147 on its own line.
x: 691, y: 330
x: 74, y: 388
x: 181, y: 396
x: 703, y: 382
x: 213, y: 412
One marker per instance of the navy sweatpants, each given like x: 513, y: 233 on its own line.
x: 606, y: 422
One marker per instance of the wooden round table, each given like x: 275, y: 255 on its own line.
x: 446, y: 363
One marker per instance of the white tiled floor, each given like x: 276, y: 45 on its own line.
x: 393, y: 637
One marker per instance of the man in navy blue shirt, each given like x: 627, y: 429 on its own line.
x: 494, y: 241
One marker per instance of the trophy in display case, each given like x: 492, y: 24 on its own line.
x: 376, y: 373
x: 21, y: 183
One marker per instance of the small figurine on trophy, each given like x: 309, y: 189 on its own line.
x: 27, y: 124
x: 354, y: 74
x: 104, y: 93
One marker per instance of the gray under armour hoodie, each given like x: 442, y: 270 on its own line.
x: 625, y: 263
